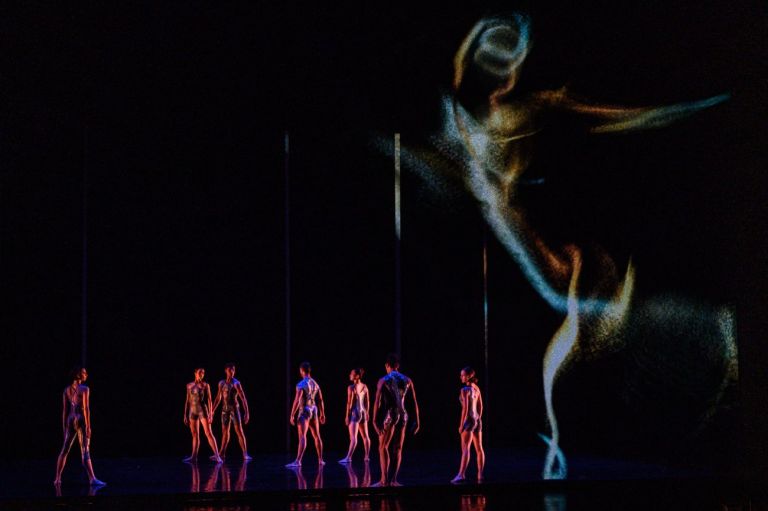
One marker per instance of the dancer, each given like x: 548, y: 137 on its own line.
x: 356, y: 418
x: 197, y: 410
x: 391, y: 391
x: 470, y: 425
x: 76, y: 423
x: 230, y: 392
x: 308, y: 404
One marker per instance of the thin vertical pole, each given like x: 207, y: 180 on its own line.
x: 486, y: 359
x: 398, y: 231
x: 287, y: 184
x: 84, y: 262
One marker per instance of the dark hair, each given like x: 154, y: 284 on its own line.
x: 74, y: 373
x: 393, y: 360
x: 470, y: 374
x: 306, y: 367
x: 359, y: 372
x: 229, y: 365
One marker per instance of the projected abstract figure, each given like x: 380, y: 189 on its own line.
x: 485, y: 140
x: 76, y: 423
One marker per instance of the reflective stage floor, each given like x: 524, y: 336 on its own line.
x: 513, y: 481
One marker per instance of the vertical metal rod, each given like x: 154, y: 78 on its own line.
x: 287, y: 184
x: 486, y: 359
x: 84, y: 262
x: 398, y: 281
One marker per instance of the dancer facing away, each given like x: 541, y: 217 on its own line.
x: 229, y: 394
x: 197, y: 410
x: 76, y: 423
x: 391, y: 391
x: 470, y: 425
x: 356, y: 418
x: 308, y: 412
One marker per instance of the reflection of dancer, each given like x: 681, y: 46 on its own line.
x: 76, y: 423
x: 391, y: 391
x: 471, y: 424
x: 197, y: 410
x: 354, y: 479
x: 356, y: 418
x: 308, y: 404
x: 230, y: 392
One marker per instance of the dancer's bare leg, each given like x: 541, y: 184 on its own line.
x: 301, y: 427
x: 69, y: 439
x: 385, y: 437
x: 211, y: 439
x: 477, y: 439
x: 366, y: 440
x: 224, y: 440
x: 194, y: 428
x: 85, y: 457
x: 397, y: 450
x: 466, y: 443
x: 352, y: 442
x: 314, y: 428
x: 241, y: 440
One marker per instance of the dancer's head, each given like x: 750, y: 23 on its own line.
x: 229, y: 370
x: 356, y: 374
x: 468, y: 375
x: 199, y: 374
x: 79, y: 374
x: 305, y: 369
x: 392, y: 363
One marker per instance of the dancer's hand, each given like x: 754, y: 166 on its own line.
x: 186, y: 420
x: 346, y: 421
x: 416, y: 429
x: 460, y: 431
x: 247, y: 418
x: 293, y: 421
x: 322, y: 419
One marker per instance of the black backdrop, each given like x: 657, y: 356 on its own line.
x: 155, y: 138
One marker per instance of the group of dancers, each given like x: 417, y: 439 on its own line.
x: 389, y: 418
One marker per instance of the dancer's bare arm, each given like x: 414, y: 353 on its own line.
x: 244, y: 400
x: 350, y: 393
x: 320, y: 405
x: 87, y: 411
x: 377, y: 404
x: 295, y: 407
x: 464, y: 408
x: 186, y: 408
x: 218, y: 398
x: 416, y: 407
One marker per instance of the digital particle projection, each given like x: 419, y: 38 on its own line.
x: 486, y: 139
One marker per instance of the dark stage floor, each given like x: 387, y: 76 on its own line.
x: 168, y: 483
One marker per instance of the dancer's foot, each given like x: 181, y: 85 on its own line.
x: 380, y: 484
x: 480, y: 479
x: 96, y: 482
x: 395, y: 483
x: 190, y: 459
x: 458, y: 480
x: 344, y: 461
x: 294, y: 464
x: 321, y: 462
x: 217, y: 459
x: 57, y: 482
x: 367, y: 458
x: 246, y: 457
x: 214, y: 457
